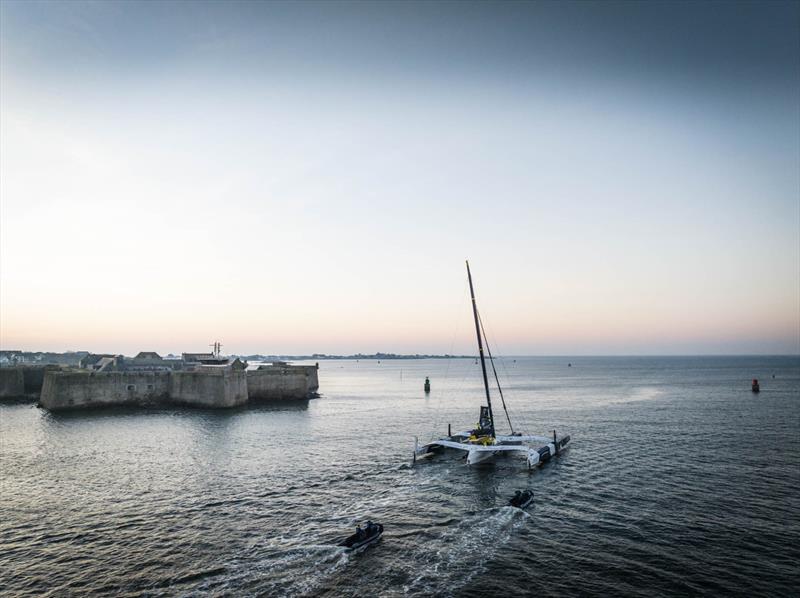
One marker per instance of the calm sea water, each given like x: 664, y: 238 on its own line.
x: 678, y: 481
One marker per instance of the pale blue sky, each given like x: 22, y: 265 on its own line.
x: 310, y: 176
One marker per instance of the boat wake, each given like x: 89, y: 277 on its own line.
x: 450, y: 559
x: 272, y: 570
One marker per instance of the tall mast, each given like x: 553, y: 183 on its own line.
x: 480, y: 347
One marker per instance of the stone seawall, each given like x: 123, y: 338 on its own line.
x: 23, y: 381
x: 12, y: 383
x: 75, y: 389
x: 214, y: 387
x: 34, y: 378
x: 282, y: 382
x: 209, y: 388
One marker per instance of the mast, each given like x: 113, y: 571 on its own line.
x: 480, y: 348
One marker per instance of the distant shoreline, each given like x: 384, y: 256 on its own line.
x: 393, y: 356
x: 357, y: 356
x: 72, y: 358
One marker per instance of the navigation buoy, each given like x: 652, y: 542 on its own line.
x: 427, y: 385
x: 754, y: 387
x: 569, y: 365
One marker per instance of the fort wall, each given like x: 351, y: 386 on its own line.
x: 210, y: 386
x: 34, y: 378
x: 31, y: 377
x: 12, y: 383
x: 282, y: 382
x: 206, y: 387
x: 72, y: 389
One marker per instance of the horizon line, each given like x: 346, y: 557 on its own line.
x: 449, y: 355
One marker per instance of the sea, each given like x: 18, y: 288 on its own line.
x: 678, y: 481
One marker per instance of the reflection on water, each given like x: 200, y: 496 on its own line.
x: 679, y: 480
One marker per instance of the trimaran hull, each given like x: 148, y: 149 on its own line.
x: 480, y: 454
x: 482, y: 444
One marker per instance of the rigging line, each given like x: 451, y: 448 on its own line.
x: 526, y: 424
x: 491, y: 360
x: 525, y: 418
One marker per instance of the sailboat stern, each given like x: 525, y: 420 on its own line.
x: 533, y: 458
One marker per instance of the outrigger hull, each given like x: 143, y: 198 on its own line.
x: 480, y: 454
x: 482, y: 443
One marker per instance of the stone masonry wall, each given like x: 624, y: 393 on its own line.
x: 209, y: 388
x: 12, y: 383
x: 34, y: 377
x: 282, y: 382
x: 73, y: 389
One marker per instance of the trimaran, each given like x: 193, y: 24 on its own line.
x: 482, y: 444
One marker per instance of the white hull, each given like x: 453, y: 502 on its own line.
x: 475, y: 456
x: 482, y: 443
x: 478, y: 454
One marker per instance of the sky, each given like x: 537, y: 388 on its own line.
x: 310, y: 177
